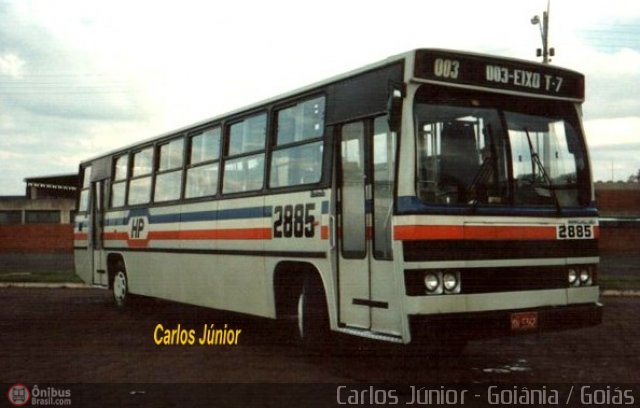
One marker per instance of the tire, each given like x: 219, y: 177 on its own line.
x: 313, y: 316
x: 120, y: 288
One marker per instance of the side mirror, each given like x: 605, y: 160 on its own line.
x: 394, y: 107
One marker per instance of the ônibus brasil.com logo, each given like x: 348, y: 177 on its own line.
x: 19, y: 395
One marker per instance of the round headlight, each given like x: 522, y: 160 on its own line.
x: 573, y: 276
x: 431, y: 282
x: 584, y: 276
x: 450, y: 281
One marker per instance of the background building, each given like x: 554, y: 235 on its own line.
x: 36, y: 232
x: 619, y: 206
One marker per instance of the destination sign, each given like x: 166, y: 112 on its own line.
x: 496, y: 73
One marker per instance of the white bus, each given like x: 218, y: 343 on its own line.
x: 436, y: 194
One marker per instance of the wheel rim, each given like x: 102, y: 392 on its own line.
x: 120, y: 288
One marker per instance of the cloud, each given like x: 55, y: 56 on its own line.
x: 52, y: 96
x: 614, y: 147
x: 615, y: 162
x: 11, y: 65
x: 48, y: 77
x: 612, y: 131
x: 81, y: 78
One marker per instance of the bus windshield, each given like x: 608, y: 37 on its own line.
x: 477, y: 148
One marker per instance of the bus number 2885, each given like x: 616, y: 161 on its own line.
x: 294, y: 221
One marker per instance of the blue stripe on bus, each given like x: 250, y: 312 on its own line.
x: 228, y: 214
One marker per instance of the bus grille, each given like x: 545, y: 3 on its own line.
x: 488, y: 280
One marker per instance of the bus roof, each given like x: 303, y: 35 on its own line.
x: 408, y: 57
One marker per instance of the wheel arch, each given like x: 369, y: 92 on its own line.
x: 115, y: 261
x: 288, y: 280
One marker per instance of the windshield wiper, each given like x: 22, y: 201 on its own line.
x: 536, y: 159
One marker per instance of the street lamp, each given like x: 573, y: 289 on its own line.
x: 545, y: 52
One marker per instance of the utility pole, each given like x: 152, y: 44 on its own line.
x: 545, y: 52
x: 612, y: 178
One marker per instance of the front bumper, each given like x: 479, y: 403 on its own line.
x: 478, y: 325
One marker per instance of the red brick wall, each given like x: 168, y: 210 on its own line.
x: 618, y: 202
x: 36, y: 238
x: 619, y: 240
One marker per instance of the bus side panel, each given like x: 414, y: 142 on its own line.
x: 311, y: 222
x: 243, y: 228
x: 82, y: 262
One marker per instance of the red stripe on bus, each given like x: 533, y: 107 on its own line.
x: 368, y: 233
x: 231, y: 234
x: 510, y: 233
x: 80, y: 236
x: 116, y: 236
x: 476, y: 232
x: 415, y: 232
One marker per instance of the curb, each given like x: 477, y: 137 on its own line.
x: 620, y: 293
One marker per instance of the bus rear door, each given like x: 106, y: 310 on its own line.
x: 95, y: 233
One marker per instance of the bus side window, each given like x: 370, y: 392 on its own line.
x: 245, y: 173
x: 140, y: 182
x: 119, y: 185
x: 297, y: 158
x: 204, y: 157
x: 169, y: 177
x: 84, y: 193
x: 248, y: 135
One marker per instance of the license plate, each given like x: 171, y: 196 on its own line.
x: 524, y: 321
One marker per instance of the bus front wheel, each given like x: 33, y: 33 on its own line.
x: 313, y: 317
x: 120, y: 288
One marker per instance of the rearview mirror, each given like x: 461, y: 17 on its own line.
x: 394, y: 107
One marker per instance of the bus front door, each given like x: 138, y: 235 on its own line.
x: 365, y: 262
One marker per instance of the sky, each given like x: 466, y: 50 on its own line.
x: 80, y: 78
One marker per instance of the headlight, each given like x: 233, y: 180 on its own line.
x: 581, y: 275
x: 450, y: 281
x: 585, y: 277
x: 431, y: 282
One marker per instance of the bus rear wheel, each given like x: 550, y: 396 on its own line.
x: 313, y: 316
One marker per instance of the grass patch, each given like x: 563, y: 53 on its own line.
x: 41, y: 277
